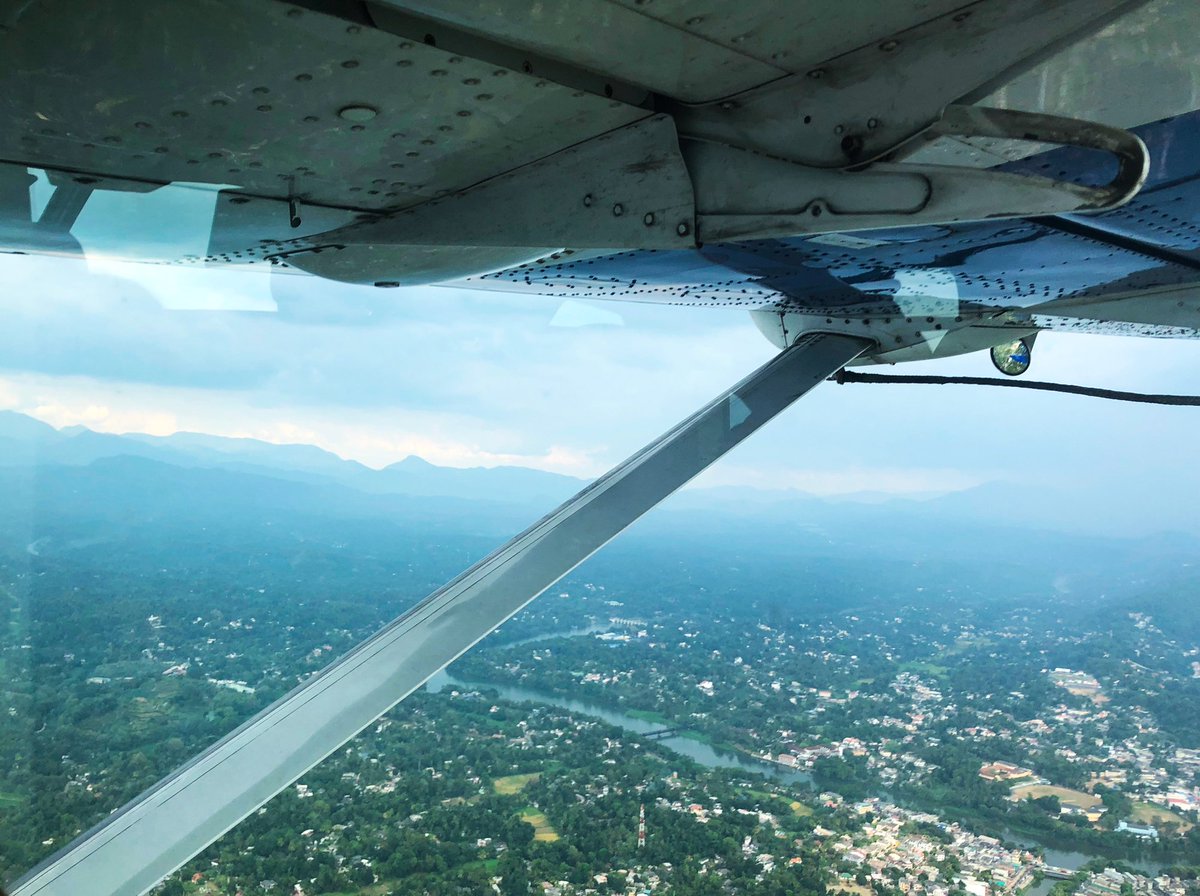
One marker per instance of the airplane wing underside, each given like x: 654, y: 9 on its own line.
x: 717, y: 154
x: 372, y: 106
x: 390, y: 142
x: 1134, y: 270
x: 862, y: 183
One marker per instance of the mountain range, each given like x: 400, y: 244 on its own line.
x: 26, y: 441
x: 1081, y: 508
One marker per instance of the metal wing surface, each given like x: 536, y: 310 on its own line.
x: 1133, y: 270
x: 330, y: 136
x: 263, y: 94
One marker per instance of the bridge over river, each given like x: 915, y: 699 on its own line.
x: 1056, y: 872
x: 665, y: 732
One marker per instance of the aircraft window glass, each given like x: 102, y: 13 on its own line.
x: 162, y: 588
x: 881, y: 648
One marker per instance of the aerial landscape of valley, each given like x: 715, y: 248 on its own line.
x: 784, y: 694
x: 605, y: 448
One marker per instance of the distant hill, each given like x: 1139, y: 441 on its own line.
x: 25, y: 441
x: 1086, y: 508
x: 193, y: 499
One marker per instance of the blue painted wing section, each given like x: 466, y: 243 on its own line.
x: 1153, y: 243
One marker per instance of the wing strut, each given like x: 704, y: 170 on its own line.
x: 152, y: 836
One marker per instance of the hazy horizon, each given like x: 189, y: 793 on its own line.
x: 466, y: 379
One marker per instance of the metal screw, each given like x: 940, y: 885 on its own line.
x: 888, y: 45
x: 838, y: 129
x: 872, y: 123
x: 648, y: 219
x: 683, y: 228
x: 618, y: 210
x: 587, y: 201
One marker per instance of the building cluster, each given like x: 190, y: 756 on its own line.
x: 1111, y: 882
x: 1004, y: 771
x: 897, y: 848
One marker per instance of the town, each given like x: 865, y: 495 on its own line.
x: 632, y: 732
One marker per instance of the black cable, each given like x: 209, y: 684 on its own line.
x: 848, y: 376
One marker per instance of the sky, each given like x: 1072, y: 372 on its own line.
x: 470, y: 378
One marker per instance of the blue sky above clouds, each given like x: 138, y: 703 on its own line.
x: 468, y: 378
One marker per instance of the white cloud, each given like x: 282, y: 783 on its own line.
x: 585, y: 314
x: 901, y: 481
x: 10, y: 396
x: 473, y: 378
x: 95, y: 416
x: 193, y: 288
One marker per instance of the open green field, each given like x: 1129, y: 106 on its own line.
x: 797, y: 808
x: 800, y: 809
x: 511, y: 784
x: 542, y: 829
x: 933, y: 669
x: 1065, y: 795
x: 1149, y: 813
x: 10, y: 800
x: 382, y: 888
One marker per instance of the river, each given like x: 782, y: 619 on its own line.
x: 685, y: 746
x: 593, y: 628
x: 1064, y: 858
x: 707, y: 756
